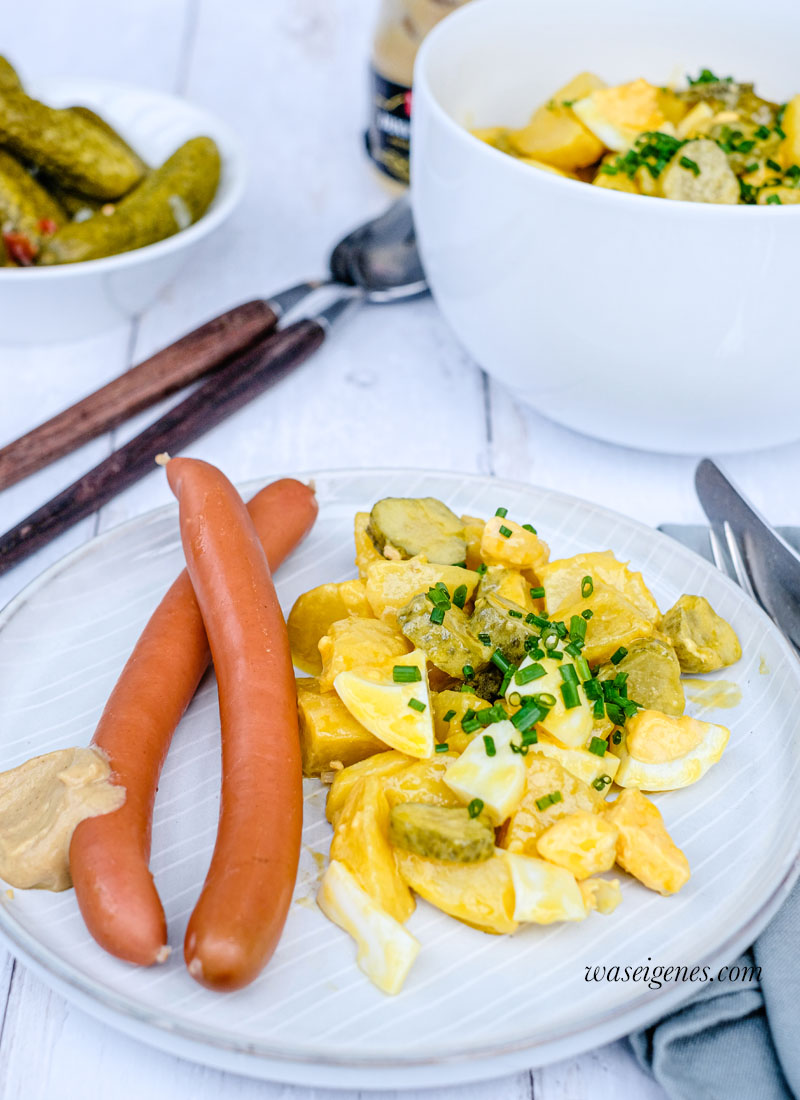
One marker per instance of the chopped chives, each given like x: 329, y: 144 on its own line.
x: 443, y: 588
x: 569, y: 675
x: 460, y: 596
x: 556, y: 797
x: 500, y: 661
x: 444, y: 747
x: 468, y: 672
x: 515, y: 698
x: 437, y: 616
x: 438, y: 598
x: 538, y: 620
x: 773, y: 164
x: 406, y: 674
x: 484, y: 716
x: 527, y: 717
x: 569, y: 693
x: 416, y: 704
x: 593, y: 689
x: 587, y: 614
x: 475, y: 807
x: 537, y: 593
x: 481, y: 568
x: 615, y: 713
x: 577, y: 628
x: 598, y: 746
x: 554, y: 655
x: 601, y: 782
x: 692, y: 165
x: 505, y: 531
x: 502, y: 512
x: 582, y: 668
x: 469, y: 715
x: 469, y: 725
x: 587, y: 587
x: 573, y: 649
x: 561, y: 629
x: 774, y: 200
x: 521, y: 749
x: 616, y: 737
x: 491, y: 748
x: 529, y: 527
x: 506, y: 680
x: 762, y: 133
x: 466, y: 687
x: 485, y: 638
x: 530, y: 672
x: 548, y: 800
x: 449, y: 716
x: 599, y: 709
x: 530, y: 737
x: 620, y: 653
x: 514, y: 614
x: 497, y: 712
x: 545, y: 699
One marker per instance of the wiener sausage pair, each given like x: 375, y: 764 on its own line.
x: 226, y: 599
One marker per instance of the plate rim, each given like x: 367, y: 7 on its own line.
x: 606, y: 1026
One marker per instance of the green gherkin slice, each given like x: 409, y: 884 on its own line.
x: 421, y: 525
x: 441, y: 832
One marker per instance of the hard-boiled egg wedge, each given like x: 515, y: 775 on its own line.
x: 583, y: 843
x: 397, y: 713
x: 543, y: 892
x: 573, y: 726
x: 386, y: 951
x: 661, y: 753
x: 616, y: 116
x: 581, y: 763
x: 602, y: 894
x: 490, y: 770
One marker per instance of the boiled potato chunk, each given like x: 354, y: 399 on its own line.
x: 554, y: 135
x: 710, y: 180
x: 562, y: 581
x: 362, y: 645
x: 662, y: 753
x: 449, y: 645
x: 703, y: 641
x: 508, y: 584
x: 392, y: 585
x: 367, y: 552
x: 422, y: 781
x: 328, y: 732
x: 313, y: 614
x: 584, y: 843
x: 473, y: 531
x: 601, y: 894
x: 440, y: 832
x: 519, y: 549
x: 545, y: 777
x: 654, y: 675
x: 361, y: 842
x: 455, y: 704
x: 386, y: 950
x: 504, y: 622
x: 615, y: 622
x: 644, y: 847
x: 419, y: 526
x: 543, y: 892
x: 790, y: 149
x: 382, y: 766
x: 479, y: 894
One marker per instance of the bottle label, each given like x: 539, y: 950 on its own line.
x: 389, y: 126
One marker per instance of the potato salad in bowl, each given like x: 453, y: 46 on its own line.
x: 714, y: 140
x: 488, y: 722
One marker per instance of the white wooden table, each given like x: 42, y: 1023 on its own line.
x: 289, y: 75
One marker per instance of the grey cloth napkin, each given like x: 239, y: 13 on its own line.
x: 735, y: 1041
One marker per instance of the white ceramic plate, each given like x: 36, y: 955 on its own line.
x: 475, y: 1006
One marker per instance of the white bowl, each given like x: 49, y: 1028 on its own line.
x: 40, y: 305
x: 658, y: 324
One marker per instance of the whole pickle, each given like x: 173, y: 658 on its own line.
x: 26, y: 209
x: 82, y: 156
x: 9, y: 78
x: 98, y: 120
x: 171, y: 198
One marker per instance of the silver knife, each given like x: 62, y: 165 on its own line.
x: 762, y: 560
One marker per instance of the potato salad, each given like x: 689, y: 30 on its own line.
x: 713, y: 140
x: 488, y: 721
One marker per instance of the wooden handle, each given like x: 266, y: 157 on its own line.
x: 169, y: 370
x: 237, y: 383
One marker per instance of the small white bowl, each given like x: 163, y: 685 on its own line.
x: 663, y: 325
x: 69, y: 302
